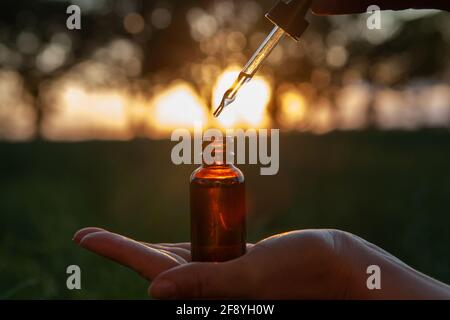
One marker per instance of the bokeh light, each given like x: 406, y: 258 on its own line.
x: 250, y: 107
x: 177, y: 106
x: 81, y: 114
x: 134, y: 23
x: 149, y: 54
x: 293, y: 109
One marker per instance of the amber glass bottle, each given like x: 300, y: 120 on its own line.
x: 217, y: 200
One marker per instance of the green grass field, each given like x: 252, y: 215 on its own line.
x: 392, y: 188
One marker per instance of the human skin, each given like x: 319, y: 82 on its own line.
x: 305, y: 264
x: 331, y: 7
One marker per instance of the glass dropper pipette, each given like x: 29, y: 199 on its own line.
x: 289, y: 18
x: 251, y: 67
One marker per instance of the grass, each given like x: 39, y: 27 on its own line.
x: 391, y: 188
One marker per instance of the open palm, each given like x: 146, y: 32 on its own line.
x: 283, y: 266
x: 304, y: 264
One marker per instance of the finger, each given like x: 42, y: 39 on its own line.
x: 187, y: 245
x: 181, y: 252
x: 177, y: 257
x: 179, y: 249
x: 327, y: 7
x: 146, y: 261
x: 183, y: 245
x: 172, y: 253
x: 83, y: 232
x: 202, y: 280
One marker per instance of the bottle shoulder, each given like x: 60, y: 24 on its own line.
x: 222, y: 174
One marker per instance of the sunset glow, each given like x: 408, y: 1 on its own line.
x: 177, y: 106
x: 292, y: 109
x: 79, y: 113
x: 250, y: 107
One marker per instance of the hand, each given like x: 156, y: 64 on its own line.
x: 309, y: 256
x: 330, y: 7
x: 307, y: 264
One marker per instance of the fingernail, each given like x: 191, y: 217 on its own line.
x: 163, y: 289
x: 78, y: 236
x: 75, y: 238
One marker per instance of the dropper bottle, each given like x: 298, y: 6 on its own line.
x: 218, y: 211
x: 288, y: 16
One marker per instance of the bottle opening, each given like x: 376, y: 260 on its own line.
x: 219, y: 151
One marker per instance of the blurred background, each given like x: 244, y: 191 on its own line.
x: 86, y: 117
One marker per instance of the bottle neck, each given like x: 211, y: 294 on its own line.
x: 218, y: 153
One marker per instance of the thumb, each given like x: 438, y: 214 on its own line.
x: 201, y: 280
